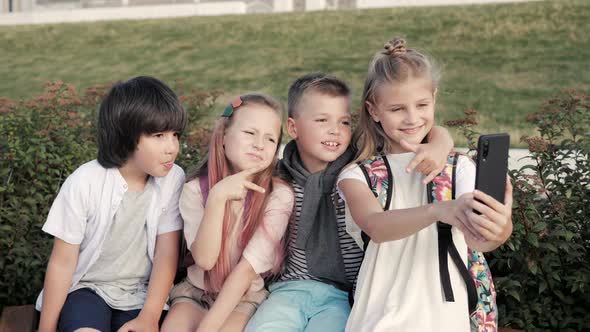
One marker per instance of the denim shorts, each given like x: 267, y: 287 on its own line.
x: 302, y: 305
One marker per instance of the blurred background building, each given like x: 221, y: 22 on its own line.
x: 250, y: 6
x: 15, y: 12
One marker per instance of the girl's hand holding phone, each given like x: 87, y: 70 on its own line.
x: 454, y: 213
x: 495, y: 219
x: 236, y: 186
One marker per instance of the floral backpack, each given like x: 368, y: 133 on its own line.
x: 481, y: 292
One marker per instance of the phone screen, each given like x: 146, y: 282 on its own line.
x: 492, y: 165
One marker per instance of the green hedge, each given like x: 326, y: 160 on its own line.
x: 542, y: 273
x: 42, y: 141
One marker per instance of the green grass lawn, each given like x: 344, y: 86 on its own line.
x: 502, y: 60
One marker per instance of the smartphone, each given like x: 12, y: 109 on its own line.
x: 492, y: 165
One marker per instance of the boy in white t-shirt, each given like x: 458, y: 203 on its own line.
x: 116, y: 220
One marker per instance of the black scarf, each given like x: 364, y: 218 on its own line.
x: 317, y: 230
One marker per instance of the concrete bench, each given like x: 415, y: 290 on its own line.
x: 26, y: 319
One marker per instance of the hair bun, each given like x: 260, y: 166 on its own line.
x: 395, y: 47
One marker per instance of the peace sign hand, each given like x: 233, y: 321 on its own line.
x: 236, y: 186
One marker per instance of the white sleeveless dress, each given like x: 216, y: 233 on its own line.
x: 398, y: 287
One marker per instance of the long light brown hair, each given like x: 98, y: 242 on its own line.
x: 394, y: 64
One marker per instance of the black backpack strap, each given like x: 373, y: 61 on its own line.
x: 446, y: 247
x: 364, y: 236
x: 445, y: 238
x: 367, y: 177
x: 454, y: 177
x: 371, y: 184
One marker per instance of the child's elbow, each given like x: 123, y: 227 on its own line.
x: 377, y: 238
x: 371, y: 229
x: 205, y: 263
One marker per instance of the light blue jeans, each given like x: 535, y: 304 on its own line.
x: 301, y: 305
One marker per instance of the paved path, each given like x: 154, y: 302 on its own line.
x: 516, y: 157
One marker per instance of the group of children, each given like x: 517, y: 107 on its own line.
x: 309, y: 242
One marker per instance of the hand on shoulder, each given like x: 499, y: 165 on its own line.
x: 429, y: 160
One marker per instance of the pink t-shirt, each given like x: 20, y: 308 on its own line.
x: 260, y: 251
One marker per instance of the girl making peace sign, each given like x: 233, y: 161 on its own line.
x: 235, y: 214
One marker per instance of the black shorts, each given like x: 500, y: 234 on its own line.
x: 84, y: 308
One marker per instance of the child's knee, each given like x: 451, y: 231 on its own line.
x: 182, y: 317
x: 277, y: 316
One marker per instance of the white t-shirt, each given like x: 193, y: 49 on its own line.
x: 121, y: 273
x: 260, y: 250
x: 85, y: 207
x: 399, y: 288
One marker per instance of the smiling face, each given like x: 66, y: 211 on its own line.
x: 405, y: 110
x: 252, y: 137
x: 321, y: 129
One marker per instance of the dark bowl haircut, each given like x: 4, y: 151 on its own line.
x: 141, y: 105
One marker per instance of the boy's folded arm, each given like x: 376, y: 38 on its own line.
x: 235, y: 286
x: 58, y: 279
x: 382, y: 225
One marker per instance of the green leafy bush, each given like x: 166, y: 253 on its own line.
x: 42, y: 141
x: 542, y: 273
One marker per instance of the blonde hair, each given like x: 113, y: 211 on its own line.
x: 315, y: 82
x: 394, y: 64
